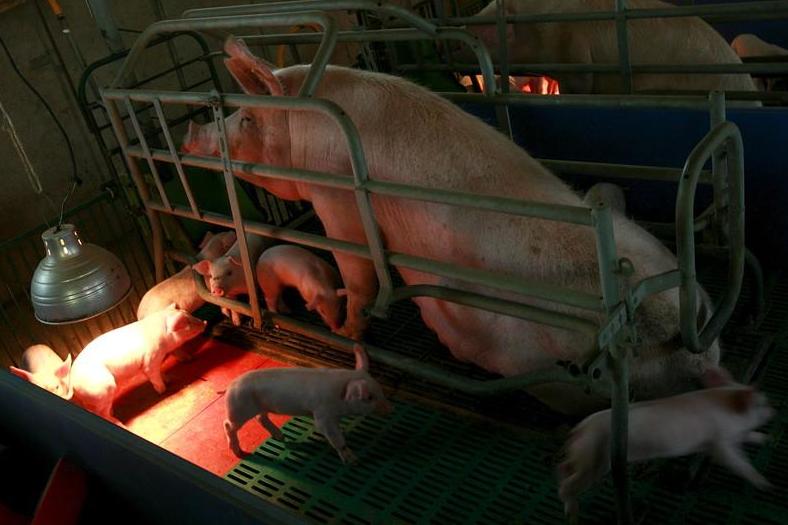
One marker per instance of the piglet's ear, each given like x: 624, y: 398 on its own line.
x: 205, y: 239
x: 64, y: 369
x: 254, y: 75
x: 203, y: 267
x: 742, y: 400
x: 176, y: 322
x: 228, y: 240
x: 716, y: 377
x: 356, y: 390
x: 24, y: 374
x: 234, y: 260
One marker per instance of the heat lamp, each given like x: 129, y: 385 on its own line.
x: 76, y: 280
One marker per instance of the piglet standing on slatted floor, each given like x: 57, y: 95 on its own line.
x: 317, y: 281
x: 327, y: 394
x: 716, y: 420
x: 114, y: 358
x: 41, y: 366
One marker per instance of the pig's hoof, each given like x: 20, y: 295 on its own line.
x: 347, y: 456
x: 160, y: 389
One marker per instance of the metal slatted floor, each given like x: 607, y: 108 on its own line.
x: 434, y: 461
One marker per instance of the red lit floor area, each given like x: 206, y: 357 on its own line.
x: 187, y: 418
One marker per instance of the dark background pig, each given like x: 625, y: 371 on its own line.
x: 679, y: 40
x: 412, y: 136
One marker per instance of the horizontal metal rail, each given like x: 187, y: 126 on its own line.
x: 619, y: 171
x: 725, y: 135
x: 536, y: 289
x: 746, y: 10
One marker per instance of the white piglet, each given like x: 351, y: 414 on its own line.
x: 225, y: 274
x: 41, y: 366
x: 180, y: 288
x: 715, y: 420
x: 116, y: 357
x: 317, y: 281
x: 327, y: 394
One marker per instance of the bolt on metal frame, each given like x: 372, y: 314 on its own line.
x: 616, y: 335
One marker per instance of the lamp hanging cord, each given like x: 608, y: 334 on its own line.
x: 74, y: 176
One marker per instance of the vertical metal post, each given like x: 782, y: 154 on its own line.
x: 175, y: 158
x: 623, y: 45
x: 229, y: 181
x: 136, y: 175
x: 617, y: 361
x: 502, y: 110
x: 146, y: 151
x: 161, y: 14
x: 719, y: 170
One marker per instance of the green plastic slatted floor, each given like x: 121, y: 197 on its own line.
x: 426, y: 465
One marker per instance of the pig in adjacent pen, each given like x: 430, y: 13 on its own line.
x: 180, y: 288
x: 412, y: 136
x: 117, y: 356
x: 41, y: 366
x: 225, y: 274
x: 652, y: 41
x: 749, y: 46
x: 326, y: 394
x: 317, y: 281
x: 716, y: 420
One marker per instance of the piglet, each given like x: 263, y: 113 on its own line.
x: 716, y: 420
x: 324, y: 393
x: 316, y: 280
x: 180, y: 288
x: 114, y: 358
x: 225, y: 274
x: 43, y: 367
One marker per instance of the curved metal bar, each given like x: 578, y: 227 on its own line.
x: 201, y: 24
x: 311, y: 5
x: 501, y: 306
x: 725, y: 134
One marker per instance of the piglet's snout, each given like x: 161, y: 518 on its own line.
x: 217, y: 290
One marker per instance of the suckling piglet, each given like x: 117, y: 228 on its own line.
x: 180, y: 288
x: 326, y: 394
x: 114, y: 358
x: 225, y: 274
x: 41, y: 366
x: 318, y: 283
x: 716, y: 420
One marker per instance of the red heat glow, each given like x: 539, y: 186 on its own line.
x: 539, y: 85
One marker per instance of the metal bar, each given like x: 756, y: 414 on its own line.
x: 175, y: 159
x: 471, y: 275
x: 197, y: 24
x: 134, y: 170
x: 428, y: 372
x: 146, y: 152
x: 728, y: 134
x: 232, y: 196
x: 718, y: 167
x: 609, y: 68
x: 617, y: 359
x: 775, y: 9
x: 619, y: 101
x: 621, y: 171
x: 311, y: 5
x: 492, y: 304
x: 502, y: 111
x: 253, y: 173
x: 622, y: 37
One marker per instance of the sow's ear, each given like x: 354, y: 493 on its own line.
x: 254, y: 75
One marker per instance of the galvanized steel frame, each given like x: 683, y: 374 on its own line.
x: 616, y: 336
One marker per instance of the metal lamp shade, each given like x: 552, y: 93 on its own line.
x: 76, y: 280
